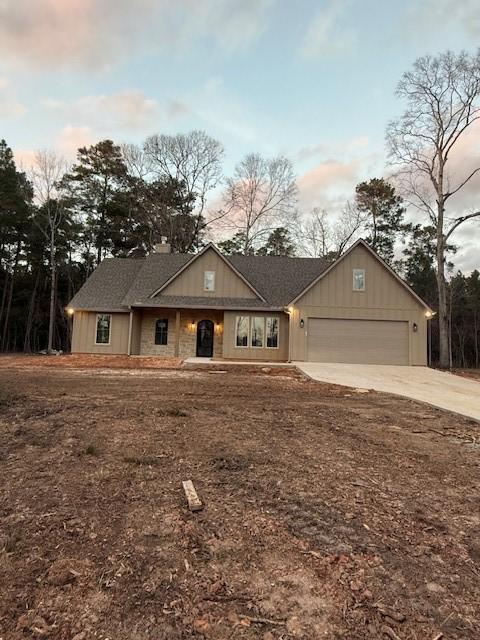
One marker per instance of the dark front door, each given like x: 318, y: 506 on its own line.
x: 205, y: 339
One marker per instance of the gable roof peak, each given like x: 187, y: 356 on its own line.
x: 371, y: 250
x: 195, y: 257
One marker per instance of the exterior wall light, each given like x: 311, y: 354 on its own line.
x: 70, y: 311
x: 192, y: 325
x: 429, y: 314
x: 302, y: 323
x: 415, y: 327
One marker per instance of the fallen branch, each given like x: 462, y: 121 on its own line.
x: 390, y: 633
x: 278, y: 623
x: 390, y: 613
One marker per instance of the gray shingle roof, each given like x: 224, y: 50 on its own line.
x: 156, y: 270
x: 107, y: 286
x: 119, y: 283
x: 277, y: 278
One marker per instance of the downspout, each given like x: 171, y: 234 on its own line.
x: 130, y: 325
x: 289, y: 311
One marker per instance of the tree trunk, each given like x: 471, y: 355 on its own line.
x: 53, y: 278
x: 4, y: 296
x: 444, y: 359
x: 10, y: 296
x: 475, y: 338
x: 27, y: 343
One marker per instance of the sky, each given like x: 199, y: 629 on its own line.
x: 312, y: 80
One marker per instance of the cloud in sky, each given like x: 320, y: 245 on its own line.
x: 328, y: 34
x: 90, y: 33
x: 70, y: 139
x: 329, y: 148
x: 439, y: 16
x: 10, y: 107
x: 126, y: 111
x: 328, y: 180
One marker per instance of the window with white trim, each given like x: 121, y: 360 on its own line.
x: 209, y: 280
x: 359, y: 279
x: 272, y: 332
x: 241, y: 331
x: 258, y: 331
x: 102, y: 333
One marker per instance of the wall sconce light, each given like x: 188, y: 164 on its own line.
x: 70, y: 311
x: 415, y: 327
x: 192, y: 326
x: 302, y: 323
x: 218, y: 328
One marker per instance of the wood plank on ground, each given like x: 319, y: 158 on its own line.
x: 194, y: 502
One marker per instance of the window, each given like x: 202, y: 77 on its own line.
x: 102, y: 335
x: 359, y: 279
x: 209, y: 280
x: 272, y: 332
x: 241, y: 331
x: 257, y: 332
x: 258, y: 329
x: 161, y: 331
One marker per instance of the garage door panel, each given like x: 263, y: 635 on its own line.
x: 357, y: 341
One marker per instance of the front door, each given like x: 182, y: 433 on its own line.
x: 205, y: 339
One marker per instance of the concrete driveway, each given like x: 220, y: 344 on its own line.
x: 437, y: 388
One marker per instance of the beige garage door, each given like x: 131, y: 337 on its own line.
x: 357, y: 341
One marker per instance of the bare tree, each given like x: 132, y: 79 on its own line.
x: 260, y: 196
x: 320, y: 235
x: 194, y: 159
x: 47, y: 171
x: 443, y: 102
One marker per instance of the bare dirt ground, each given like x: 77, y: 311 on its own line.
x: 473, y: 374
x: 79, y: 360
x: 328, y: 513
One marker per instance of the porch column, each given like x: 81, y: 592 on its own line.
x: 177, y: 333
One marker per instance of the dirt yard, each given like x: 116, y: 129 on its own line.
x: 328, y: 513
x: 474, y: 374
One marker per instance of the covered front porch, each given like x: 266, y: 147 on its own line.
x: 209, y: 333
x: 179, y: 333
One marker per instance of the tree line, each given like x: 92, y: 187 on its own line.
x: 58, y: 222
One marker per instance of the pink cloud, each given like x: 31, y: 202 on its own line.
x: 125, y: 110
x: 45, y: 30
x: 95, y: 33
x: 72, y: 138
x: 24, y: 158
x: 326, y: 180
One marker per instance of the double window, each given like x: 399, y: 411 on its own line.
x: 102, y: 332
x: 257, y: 332
x: 161, y: 331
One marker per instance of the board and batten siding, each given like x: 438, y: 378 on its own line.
x: 191, y: 281
x: 135, y: 341
x: 85, y: 328
x: 384, y: 298
x: 232, y: 352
